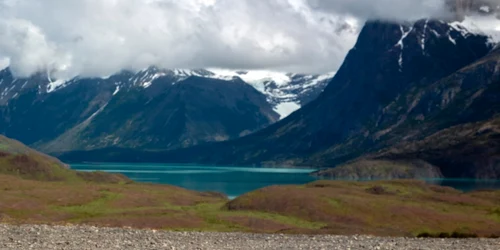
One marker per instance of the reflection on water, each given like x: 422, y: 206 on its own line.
x: 234, y: 181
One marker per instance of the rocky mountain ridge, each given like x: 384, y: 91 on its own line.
x: 153, y: 108
x: 451, y: 126
x: 287, y: 92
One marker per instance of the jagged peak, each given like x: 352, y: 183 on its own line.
x: 423, y: 30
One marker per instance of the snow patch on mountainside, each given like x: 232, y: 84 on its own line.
x: 400, y: 43
x: 319, y: 79
x: 424, y: 32
x: 286, y: 108
x: 185, y: 73
x: 116, y: 90
x: 256, y: 78
x: 4, y: 63
x: 259, y: 78
x: 53, y: 85
x: 488, y: 25
x: 145, y: 78
x: 284, y: 91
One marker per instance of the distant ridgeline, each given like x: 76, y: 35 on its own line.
x: 153, y: 109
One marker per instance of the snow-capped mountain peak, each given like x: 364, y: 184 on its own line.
x: 417, y: 35
x: 255, y: 77
x: 145, y: 77
x: 480, y: 17
x: 286, y: 92
x: 488, y: 25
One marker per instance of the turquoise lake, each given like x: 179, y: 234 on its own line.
x: 234, y: 181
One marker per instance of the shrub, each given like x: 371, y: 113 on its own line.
x: 444, y: 235
x: 456, y: 235
x: 463, y: 235
x: 425, y: 235
x: 377, y: 190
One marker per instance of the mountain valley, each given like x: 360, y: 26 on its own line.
x: 423, y: 80
x: 152, y: 109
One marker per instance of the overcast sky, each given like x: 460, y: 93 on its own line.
x: 101, y: 37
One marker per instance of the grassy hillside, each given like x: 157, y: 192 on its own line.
x: 404, y: 208
x: 36, y: 188
x: 19, y: 160
x: 381, y: 208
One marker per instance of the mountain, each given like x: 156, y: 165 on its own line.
x: 287, y: 92
x: 9, y: 147
x: 464, y: 151
x: 401, y: 83
x: 452, y: 126
x: 152, y: 109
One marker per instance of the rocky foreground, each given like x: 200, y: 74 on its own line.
x: 85, y: 237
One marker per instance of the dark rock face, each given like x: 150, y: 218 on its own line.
x: 436, y: 120
x: 451, y: 124
x: 190, y: 112
x: 399, y: 85
x: 377, y: 71
x: 469, y: 150
x: 32, y: 117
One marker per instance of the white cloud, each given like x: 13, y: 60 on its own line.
x: 394, y: 10
x: 4, y: 63
x: 101, y: 37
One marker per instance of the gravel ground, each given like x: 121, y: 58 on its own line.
x: 84, y: 237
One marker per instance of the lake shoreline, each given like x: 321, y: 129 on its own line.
x: 384, y: 208
x: 236, y: 181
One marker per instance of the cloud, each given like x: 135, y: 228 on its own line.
x: 4, y: 63
x: 102, y: 37
x: 394, y: 10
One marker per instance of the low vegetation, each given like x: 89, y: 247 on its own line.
x: 395, y: 208
x: 35, y: 188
